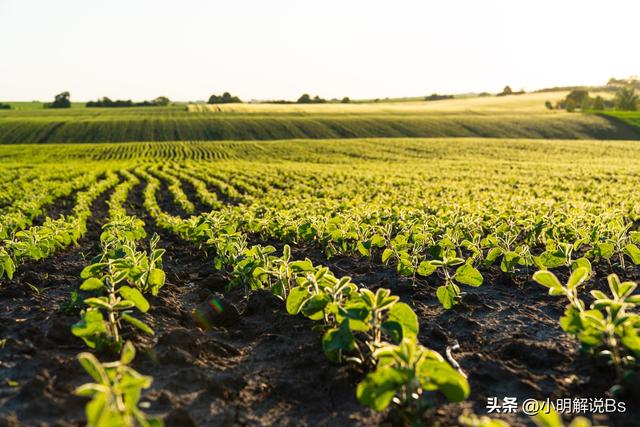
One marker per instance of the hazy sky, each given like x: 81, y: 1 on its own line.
x: 189, y: 49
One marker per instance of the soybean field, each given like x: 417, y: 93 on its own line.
x: 360, y: 281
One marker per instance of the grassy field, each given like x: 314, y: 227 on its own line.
x: 630, y: 118
x: 522, y: 116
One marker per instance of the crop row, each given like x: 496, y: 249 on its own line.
x: 354, y: 331
x: 372, y: 330
x: 418, y: 242
x: 114, y: 285
x: 41, y: 241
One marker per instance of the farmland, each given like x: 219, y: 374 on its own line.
x: 630, y: 118
x: 354, y: 281
x: 521, y: 116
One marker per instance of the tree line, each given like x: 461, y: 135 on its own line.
x: 625, y: 99
x: 63, y: 100
x: 160, y: 101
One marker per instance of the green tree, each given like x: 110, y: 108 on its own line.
x: 626, y: 99
x: 61, y: 100
x: 162, y: 101
x: 570, y: 105
x: 225, y: 98
x: 598, y: 103
x: 577, y: 96
x: 548, y: 105
x: 304, y: 99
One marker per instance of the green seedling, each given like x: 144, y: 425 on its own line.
x: 115, y: 394
x: 610, y: 327
x: 405, y: 374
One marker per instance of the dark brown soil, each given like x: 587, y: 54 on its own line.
x: 511, y: 344
x: 256, y: 365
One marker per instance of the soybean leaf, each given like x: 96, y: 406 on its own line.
x: 338, y: 339
x: 550, y: 259
x: 91, y: 284
x: 446, y: 296
x: 296, y: 298
x: 92, y: 270
x: 407, y: 318
x: 386, y: 254
x: 137, y: 323
x: 93, y: 368
x: 548, y: 279
x: 578, y: 276
x: 605, y: 249
x: 468, y: 275
x: 315, y: 305
x: 440, y: 375
x: 128, y: 353
x: 581, y: 262
x: 134, y: 296
x: 379, y: 387
x: 633, y: 252
x: 156, y: 277
x: 426, y: 268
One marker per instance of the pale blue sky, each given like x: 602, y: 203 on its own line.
x: 261, y: 49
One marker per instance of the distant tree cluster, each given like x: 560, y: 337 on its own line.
x: 508, y: 91
x: 225, y: 98
x: 61, y: 100
x: 436, y: 97
x: 306, y: 99
x: 107, y: 102
x: 626, y: 99
x: 4, y: 106
x: 160, y: 101
x: 579, y: 98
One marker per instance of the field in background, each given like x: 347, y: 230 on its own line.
x: 630, y: 118
x: 362, y: 150
x: 527, y: 103
x: 518, y: 116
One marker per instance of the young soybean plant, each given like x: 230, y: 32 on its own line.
x: 364, y: 322
x: 116, y: 391
x: 403, y: 376
x: 376, y: 330
x: 120, y: 263
x: 449, y: 293
x: 559, y: 254
x: 609, y: 328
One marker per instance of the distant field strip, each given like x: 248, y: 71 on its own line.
x: 507, y: 117
x: 311, y: 127
x: 628, y: 118
x: 364, y: 150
